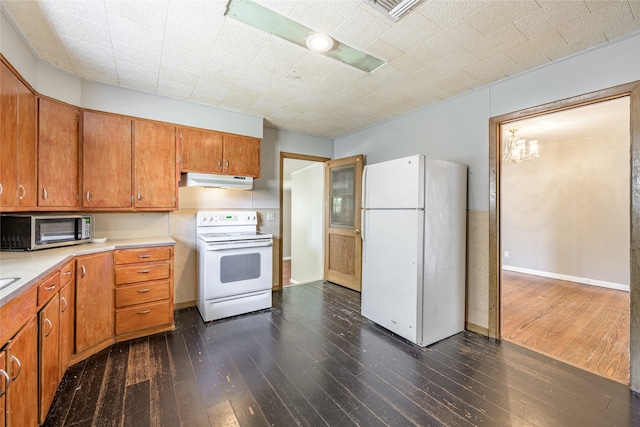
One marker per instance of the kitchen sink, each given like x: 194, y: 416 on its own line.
x: 6, y: 281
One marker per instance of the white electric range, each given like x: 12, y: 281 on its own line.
x: 234, y: 264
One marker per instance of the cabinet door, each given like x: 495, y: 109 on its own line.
x: 8, y: 134
x: 26, y: 142
x: 156, y: 177
x: 106, y: 161
x: 201, y: 151
x: 58, y: 173
x: 49, y: 354
x: 94, y: 300
x: 22, y: 366
x: 241, y: 156
x: 67, y: 304
x: 4, y: 383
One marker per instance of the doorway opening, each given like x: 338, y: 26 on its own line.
x: 495, y: 209
x: 564, y: 196
x: 301, y: 218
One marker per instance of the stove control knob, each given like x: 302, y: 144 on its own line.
x: 209, y: 218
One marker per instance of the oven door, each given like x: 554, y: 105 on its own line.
x: 235, y: 268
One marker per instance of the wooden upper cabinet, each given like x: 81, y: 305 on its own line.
x: 58, y: 172
x: 201, y: 151
x: 106, y: 161
x: 18, y: 115
x: 241, y: 156
x: 155, y: 168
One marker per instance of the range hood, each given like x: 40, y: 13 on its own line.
x: 216, y: 181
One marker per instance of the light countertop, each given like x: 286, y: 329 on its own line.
x: 31, y: 266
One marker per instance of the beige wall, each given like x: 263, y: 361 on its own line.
x: 567, y: 213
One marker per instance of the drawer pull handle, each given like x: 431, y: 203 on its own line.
x: 144, y: 256
x: 142, y: 291
x: 15, y: 359
x: 144, y: 312
x: 144, y: 271
x: 66, y: 304
x: 50, y: 288
x: 67, y: 273
x: 7, y: 379
x: 83, y: 270
x: 50, y: 326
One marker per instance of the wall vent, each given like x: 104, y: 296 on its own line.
x: 392, y: 9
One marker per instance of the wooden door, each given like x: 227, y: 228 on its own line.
x: 22, y: 366
x: 67, y: 304
x: 106, y: 161
x: 342, y: 241
x: 241, y: 156
x: 8, y: 135
x: 201, y: 151
x: 4, y: 383
x: 58, y: 172
x: 49, y: 353
x: 156, y: 172
x: 26, y: 146
x: 94, y: 300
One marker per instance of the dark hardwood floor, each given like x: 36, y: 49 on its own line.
x: 313, y: 360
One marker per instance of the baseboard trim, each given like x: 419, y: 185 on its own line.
x: 472, y: 327
x: 582, y: 280
x: 184, y: 304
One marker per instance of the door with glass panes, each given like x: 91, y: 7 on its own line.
x: 342, y: 240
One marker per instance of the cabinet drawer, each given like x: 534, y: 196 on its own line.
x: 142, y: 272
x: 130, y: 256
x: 143, y: 316
x: 68, y: 273
x: 141, y: 293
x: 48, y: 288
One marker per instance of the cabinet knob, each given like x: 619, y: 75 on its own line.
x: 50, y: 288
x: 7, y: 380
x: 144, y: 271
x: 219, y: 163
x: 83, y: 271
x: 23, y: 191
x: 226, y: 164
x: 66, y: 304
x: 44, y: 194
x: 88, y: 195
x: 0, y: 188
x: 144, y: 312
x: 139, y: 196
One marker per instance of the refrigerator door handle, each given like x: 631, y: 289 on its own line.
x: 364, y: 189
x: 363, y: 227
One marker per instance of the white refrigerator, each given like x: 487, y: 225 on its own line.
x: 414, y: 247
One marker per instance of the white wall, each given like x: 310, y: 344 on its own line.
x: 307, y: 192
x: 286, y: 223
x: 567, y: 213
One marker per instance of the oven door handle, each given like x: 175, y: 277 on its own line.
x: 228, y: 246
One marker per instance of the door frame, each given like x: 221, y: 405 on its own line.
x: 495, y: 242
x: 285, y: 155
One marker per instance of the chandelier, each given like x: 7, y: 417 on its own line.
x: 517, y: 149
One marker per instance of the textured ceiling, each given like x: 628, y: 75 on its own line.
x: 190, y: 50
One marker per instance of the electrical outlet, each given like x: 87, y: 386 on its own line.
x: 506, y: 254
x: 271, y: 216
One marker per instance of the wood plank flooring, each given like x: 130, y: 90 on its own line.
x: 312, y: 360
x: 586, y: 326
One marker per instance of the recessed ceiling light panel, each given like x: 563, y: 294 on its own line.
x: 267, y: 20
x: 319, y: 42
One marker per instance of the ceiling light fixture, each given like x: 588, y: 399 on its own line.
x: 517, y: 150
x: 265, y: 19
x: 319, y: 42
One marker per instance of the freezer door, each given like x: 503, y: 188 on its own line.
x: 392, y: 265
x: 395, y: 184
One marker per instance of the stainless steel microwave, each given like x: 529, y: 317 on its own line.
x: 20, y: 232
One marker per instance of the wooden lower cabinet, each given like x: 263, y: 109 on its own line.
x: 144, y: 290
x: 4, y: 383
x: 22, y: 367
x: 67, y: 306
x: 49, y: 344
x: 94, y: 300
